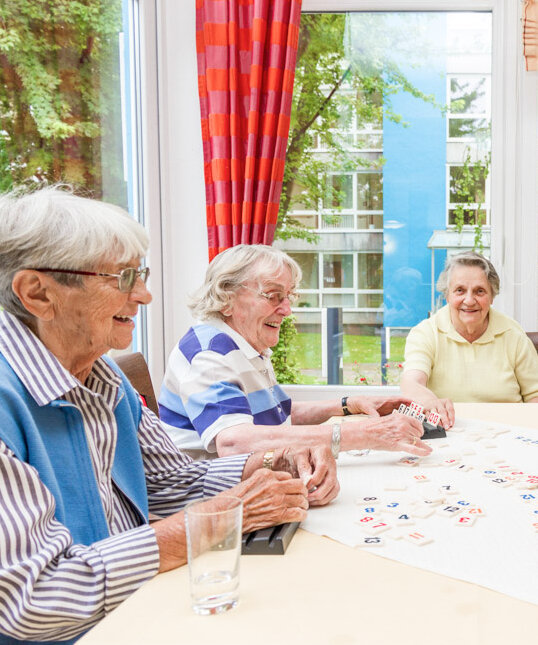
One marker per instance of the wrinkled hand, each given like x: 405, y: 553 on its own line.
x: 445, y: 408
x: 375, y: 406
x: 315, y: 466
x: 271, y: 498
x: 393, y: 432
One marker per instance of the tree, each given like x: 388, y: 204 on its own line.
x: 59, y: 77
x: 284, y: 357
x: 331, y: 84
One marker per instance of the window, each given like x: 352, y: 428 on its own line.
x: 467, y: 195
x: 66, y: 101
x: 176, y: 189
x: 469, y: 107
x: 337, y: 271
x: 402, y: 153
x: 370, y: 270
x: 339, y: 193
x: 370, y: 191
x: 73, y: 126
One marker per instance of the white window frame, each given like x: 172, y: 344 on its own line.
x: 174, y: 196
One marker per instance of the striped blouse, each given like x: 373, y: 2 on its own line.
x: 50, y: 588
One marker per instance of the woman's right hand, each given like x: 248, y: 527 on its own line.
x: 443, y: 407
x: 393, y: 432
x: 271, y: 498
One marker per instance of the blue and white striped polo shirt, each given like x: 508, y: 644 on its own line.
x: 215, y: 380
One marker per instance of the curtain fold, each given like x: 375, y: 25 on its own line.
x: 247, y: 51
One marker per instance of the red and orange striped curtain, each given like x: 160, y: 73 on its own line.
x: 246, y: 65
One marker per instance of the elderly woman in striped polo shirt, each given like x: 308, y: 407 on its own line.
x: 220, y: 395
x: 82, y: 463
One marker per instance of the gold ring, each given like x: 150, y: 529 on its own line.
x: 414, y: 440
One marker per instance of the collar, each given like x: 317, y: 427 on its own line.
x: 243, y: 345
x: 45, y: 378
x: 497, y: 324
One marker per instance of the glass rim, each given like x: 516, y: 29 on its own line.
x: 189, y: 507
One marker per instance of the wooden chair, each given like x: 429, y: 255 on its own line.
x: 136, y: 369
x: 533, y: 335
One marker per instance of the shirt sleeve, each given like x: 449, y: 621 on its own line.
x: 420, y: 349
x: 173, y: 478
x: 52, y: 589
x: 526, y: 368
x: 209, y: 391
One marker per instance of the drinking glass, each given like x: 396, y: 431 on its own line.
x: 213, y: 549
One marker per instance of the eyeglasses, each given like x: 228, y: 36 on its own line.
x: 126, y: 277
x: 275, y: 298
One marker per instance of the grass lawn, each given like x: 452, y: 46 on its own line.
x: 360, y: 349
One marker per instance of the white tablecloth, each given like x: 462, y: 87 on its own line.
x: 499, y: 551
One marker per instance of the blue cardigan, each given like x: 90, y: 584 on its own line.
x: 52, y: 439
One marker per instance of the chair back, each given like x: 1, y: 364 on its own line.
x: 533, y: 335
x: 134, y: 366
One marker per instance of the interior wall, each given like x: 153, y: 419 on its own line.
x: 181, y: 190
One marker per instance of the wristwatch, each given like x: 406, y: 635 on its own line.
x: 345, y: 409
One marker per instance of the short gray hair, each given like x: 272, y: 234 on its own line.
x: 468, y: 259
x: 53, y: 227
x: 229, y: 271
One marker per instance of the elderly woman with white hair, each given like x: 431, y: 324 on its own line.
x: 219, y: 393
x: 82, y: 462
x: 468, y: 351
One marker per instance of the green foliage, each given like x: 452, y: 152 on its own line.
x: 59, y: 75
x: 467, y: 187
x: 284, y: 353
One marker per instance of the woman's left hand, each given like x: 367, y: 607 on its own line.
x: 375, y: 406
x: 315, y: 466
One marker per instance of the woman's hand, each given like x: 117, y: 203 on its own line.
x: 375, y: 406
x: 271, y: 498
x: 445, y: 408
x: 392, y: 432
x: 315, y: 466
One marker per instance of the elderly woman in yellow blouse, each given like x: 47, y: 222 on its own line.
x: 468, y: 351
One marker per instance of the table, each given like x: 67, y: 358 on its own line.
x: 327, y: 593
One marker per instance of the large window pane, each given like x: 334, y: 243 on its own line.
x: 66, y: 97
x: 61, y: 109
x: 398, y: 174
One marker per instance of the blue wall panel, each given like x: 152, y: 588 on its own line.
x: 414, y: 179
